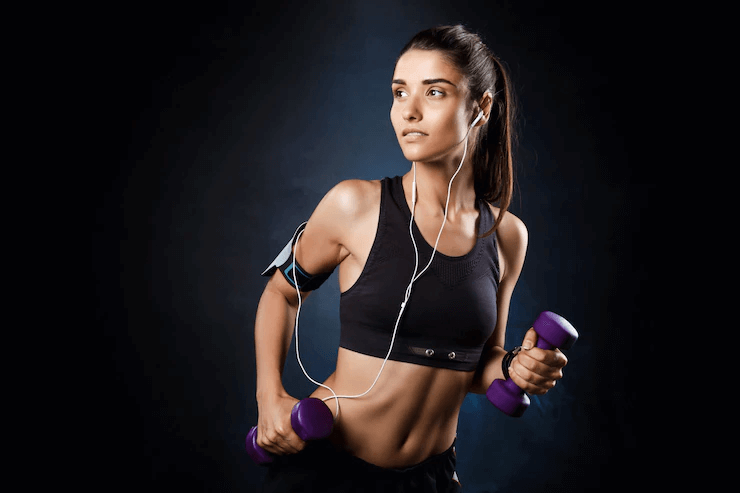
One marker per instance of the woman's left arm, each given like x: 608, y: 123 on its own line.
x: 534, y: 370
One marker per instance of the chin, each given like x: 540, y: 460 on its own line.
x: 412, y: 156
x: 425, y: 157
x: 418, y: 155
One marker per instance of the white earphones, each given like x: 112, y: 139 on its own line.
x: 477, y: 118
x: 413, y: 184
x: 414, y: 277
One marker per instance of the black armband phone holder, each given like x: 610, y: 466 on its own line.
x: 290, y: 268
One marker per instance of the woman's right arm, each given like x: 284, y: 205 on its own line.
x: 273, y: 329
x: 321, y: 247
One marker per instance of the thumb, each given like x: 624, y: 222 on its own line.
x: 530, y: 339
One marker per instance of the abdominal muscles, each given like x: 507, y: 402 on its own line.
x: 410, y: 414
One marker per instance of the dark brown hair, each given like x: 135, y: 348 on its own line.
x: 493, y: 171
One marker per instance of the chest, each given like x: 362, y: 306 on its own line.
x: 454, y: 300
x: 459, y: 234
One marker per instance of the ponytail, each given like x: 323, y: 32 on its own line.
x: 493, y: 160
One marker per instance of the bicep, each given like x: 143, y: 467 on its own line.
x: 322, y: 244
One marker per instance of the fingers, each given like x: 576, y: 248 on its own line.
x: 274, y: 431
x: 530, y: 339
x: 536, y: 370
x: 279, y: 440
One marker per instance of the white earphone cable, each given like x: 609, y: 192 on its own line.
x: 414, y: 278
x: 297, y: 314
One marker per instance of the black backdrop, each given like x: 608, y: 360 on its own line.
x: 228, y: 123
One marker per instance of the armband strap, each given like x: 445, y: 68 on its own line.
x: 508, y: 358
x: 286, y: 262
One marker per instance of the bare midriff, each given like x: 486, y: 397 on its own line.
x: 410, y: 415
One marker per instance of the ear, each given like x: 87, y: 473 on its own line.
x: 485, y: 104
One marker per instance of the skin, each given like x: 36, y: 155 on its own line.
x: 412, y: 411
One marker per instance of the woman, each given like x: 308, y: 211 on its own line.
x: 423, y: 321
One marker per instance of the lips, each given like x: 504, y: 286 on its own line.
x: 414, y: 132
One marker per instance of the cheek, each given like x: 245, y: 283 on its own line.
x: 452, y: 125
x: 463, y: 122
x: 396, y: 118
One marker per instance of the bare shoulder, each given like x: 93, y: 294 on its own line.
x: 346, y: 207
x: 512, y: 229
x: 512, y: 239
x: 353, y: 197
x: 343, y: 211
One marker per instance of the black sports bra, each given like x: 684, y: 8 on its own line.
x: 452, y: 309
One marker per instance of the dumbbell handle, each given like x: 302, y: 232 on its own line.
x: 553, y: 331
x: 310, y: 418
x: 543, y: 344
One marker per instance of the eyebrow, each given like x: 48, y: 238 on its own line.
x: 426, y: 82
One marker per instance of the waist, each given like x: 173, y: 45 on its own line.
x: 409, y: 415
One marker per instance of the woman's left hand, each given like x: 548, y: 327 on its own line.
x: 536, y: 370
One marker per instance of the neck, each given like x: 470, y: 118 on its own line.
x: 433, y: 179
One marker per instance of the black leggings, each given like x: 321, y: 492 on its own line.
x: 322, y: 467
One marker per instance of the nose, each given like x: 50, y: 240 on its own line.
x: 412, y: 110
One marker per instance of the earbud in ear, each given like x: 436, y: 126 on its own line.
x: 477, y: 118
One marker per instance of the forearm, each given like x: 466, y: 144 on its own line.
x: 273, y: 330
x: 488, y: 370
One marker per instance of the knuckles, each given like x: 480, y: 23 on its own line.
x: 559, y: 359
x: 269, y: 437
x: 553, y: 357
x: 537, y: 373
x: 278, y: 441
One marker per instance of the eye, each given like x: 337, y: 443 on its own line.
x: 399, y: 93
x: 436, y: 93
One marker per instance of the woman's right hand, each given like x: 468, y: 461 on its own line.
x: 274, y: 431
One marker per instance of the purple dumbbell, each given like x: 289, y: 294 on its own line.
x: 311, y: 419
x: 553, y: 331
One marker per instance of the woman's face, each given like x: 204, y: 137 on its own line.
x: 430, y: 114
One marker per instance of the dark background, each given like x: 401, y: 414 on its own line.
x: 227, y: 124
